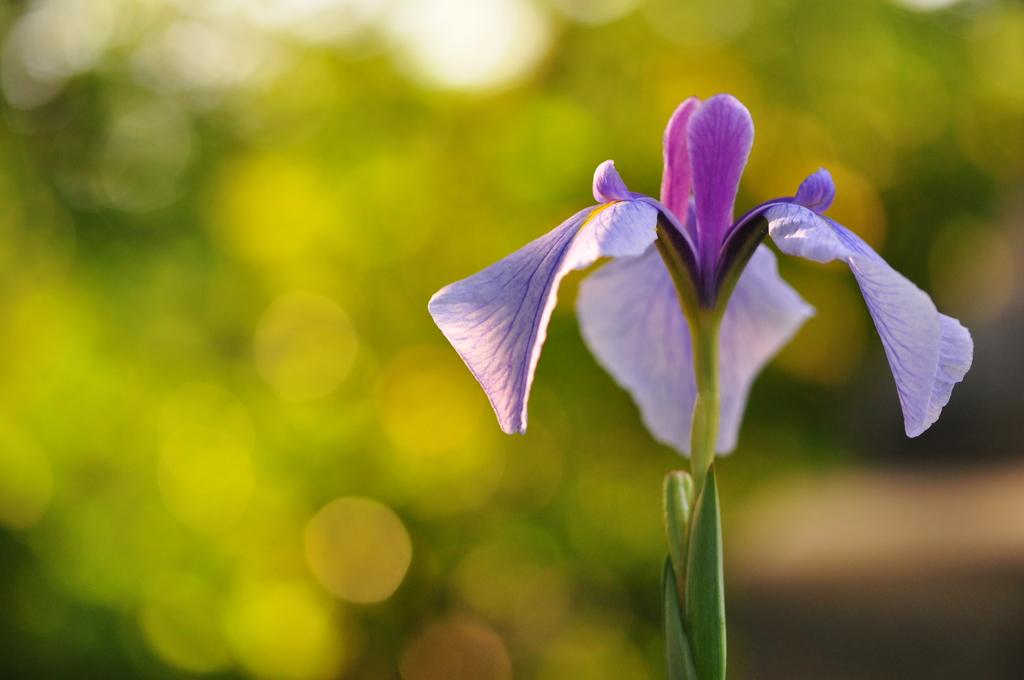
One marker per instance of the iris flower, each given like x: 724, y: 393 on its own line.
x: 686, y: 276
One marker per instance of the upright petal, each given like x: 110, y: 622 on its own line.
x: 927, y: 351
x: 631, y: 319
x: 719, y: 136
x: 764, y: 313
x: 817, y: 191
x: 676, y: 176
x: 608, y: 185
x: 497, y: 319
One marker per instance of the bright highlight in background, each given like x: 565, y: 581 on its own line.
x: 470, y: 44
x: 358, y: 549
x: 926, y: 5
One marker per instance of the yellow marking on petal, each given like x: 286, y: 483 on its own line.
x: 597, y: 210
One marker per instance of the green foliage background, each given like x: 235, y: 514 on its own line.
x: 149, y: 232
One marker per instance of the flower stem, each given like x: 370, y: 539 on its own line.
x: 704, y: 431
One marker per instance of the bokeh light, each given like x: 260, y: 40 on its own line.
x: 457, y: 649
x: 285, y: 631
x: 206, y: 478
x: 470, y: 44
x: 427, y: 403
x: 220, y: 225
x: 205, y: 473
x: 55, y: 40
x: 272, y: 208
x: 147, y: 151
x: 524, y: 589
x: 927, y: 5
x: 358, y: 549
x: 332, y: 21
x: 445, y: 455
x: 304, y: 346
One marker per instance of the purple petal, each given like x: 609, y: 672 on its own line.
x: 764, y: 313
x: 675, y: 178
x: 631, y: 319
x: 817, y: 191
x: 497, y: 319
x: 608, y: 185
x: 719, y: 137
x: 927, y: 351
x: 955, y: 357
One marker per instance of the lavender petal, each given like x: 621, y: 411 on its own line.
x: 764, y: 313
x: 497, y: 319
x: 817, y: 191
x: 631, y: 320
x: 608, y: 185
x: 927, y: 351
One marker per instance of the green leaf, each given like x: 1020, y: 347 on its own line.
x: 678, y: 658
x: 678, y: 502
x: 704, y: 598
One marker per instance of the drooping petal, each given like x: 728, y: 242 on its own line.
x: 497, y: 319
x: 955, y: 358
x: 631, y: 320
x: 927, y: 351
x: 719, y: 136
x: 764, y: 313
x: 676, y: 176
x: 817, y: 191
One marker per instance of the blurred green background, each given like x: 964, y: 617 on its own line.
x: 233, y: 444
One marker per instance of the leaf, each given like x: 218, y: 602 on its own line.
x: 704, y: 598
x: 678, y: 658
x: 678, y: 502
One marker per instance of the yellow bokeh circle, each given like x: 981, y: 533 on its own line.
x: 448, y: 452
x: 304, y: 346
x: 285, y: 632
x: 273, y: 208
x: 359, y: 549
x: 206, y: 478
x: 428, y: 401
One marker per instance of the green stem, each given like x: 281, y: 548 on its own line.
x: 704, y: 323
x: 704, y: 432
